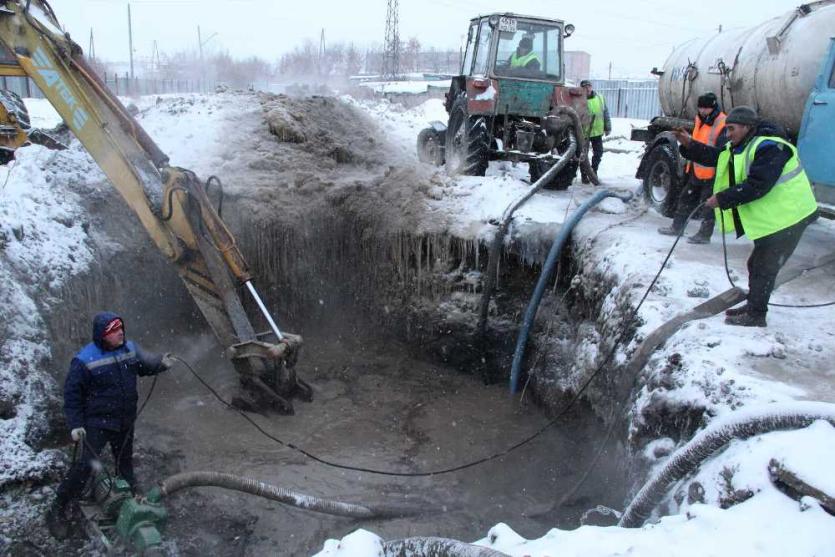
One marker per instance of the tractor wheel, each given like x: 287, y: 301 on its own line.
x: 661, y: 182
x: 467, y: 141
x: 430, y: 147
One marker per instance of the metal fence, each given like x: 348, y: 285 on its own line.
x: 121, y: 85
x: 628, y: 98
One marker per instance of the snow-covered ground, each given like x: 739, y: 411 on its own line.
x: 43, y: 241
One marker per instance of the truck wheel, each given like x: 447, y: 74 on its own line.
x: 661, y: 182
x: 467, y: 141
x: 430, y: 147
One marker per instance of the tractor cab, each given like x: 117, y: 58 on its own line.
x: 503, y: 104
x: 511, y: 46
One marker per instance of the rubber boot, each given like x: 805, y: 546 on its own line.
x: 670, y: 231
x: 703, y: 235
x: 747, y: 320
x: 698, y: 239
x: 58, y: 520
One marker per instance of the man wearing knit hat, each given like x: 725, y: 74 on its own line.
x: 762, y: 191
x: 708, y: 128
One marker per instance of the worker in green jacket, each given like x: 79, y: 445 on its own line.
x: 599, y: 124
x: 762, y: 191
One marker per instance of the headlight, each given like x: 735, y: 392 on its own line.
x: 568, y: 30
x: 493, y: 21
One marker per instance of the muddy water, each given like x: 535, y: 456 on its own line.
x: 375, y: 406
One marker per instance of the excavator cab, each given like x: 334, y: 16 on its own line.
x: 15, y: 127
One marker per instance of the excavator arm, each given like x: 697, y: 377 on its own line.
x: 171, y: 202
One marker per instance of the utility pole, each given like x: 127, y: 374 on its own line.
x: 202, y: 66
x: 321, y: 53
x: 130, y: 42
x: 391, y: 54
x: 200, y: 43
x: 610, y: 71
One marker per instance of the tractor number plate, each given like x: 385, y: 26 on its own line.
x: 507, y: 24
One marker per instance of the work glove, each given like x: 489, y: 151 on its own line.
x: 168, y: 361
x: 78, y: 434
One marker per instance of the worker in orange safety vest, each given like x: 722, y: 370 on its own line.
x: 709, y: 129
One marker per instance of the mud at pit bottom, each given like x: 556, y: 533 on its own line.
x: 375, y: 406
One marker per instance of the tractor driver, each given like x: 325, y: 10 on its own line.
x: 525, y: 58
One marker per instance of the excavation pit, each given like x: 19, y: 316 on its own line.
x: 401, y: 383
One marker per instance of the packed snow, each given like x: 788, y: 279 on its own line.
x: 44, y: 241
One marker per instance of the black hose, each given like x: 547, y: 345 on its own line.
x: 184, y: 480
x: 745, y: 424
x: 498, y: 239
x: 436, y: 547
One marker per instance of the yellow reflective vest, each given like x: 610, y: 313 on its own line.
x: 596, y: 106
x: 522, y: 61
x: 788, y: 202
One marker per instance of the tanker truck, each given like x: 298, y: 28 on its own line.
x: 784, y: 68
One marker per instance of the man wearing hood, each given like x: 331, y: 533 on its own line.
x: 100, y: 397
x: 762, y: 191
x: 708, y: 128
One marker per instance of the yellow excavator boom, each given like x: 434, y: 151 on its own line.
x: 171, y: 202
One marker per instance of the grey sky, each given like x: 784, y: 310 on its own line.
x: 634, y: 35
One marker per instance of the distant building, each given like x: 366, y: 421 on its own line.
x: 577, y: 65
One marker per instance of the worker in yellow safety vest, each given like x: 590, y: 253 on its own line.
x: 599, y: 124
x: 698, y: 186
x: 524, y: 58
x: 762, y: 191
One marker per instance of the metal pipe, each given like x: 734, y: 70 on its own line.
x: 547, y: 267
x: 263, y: 309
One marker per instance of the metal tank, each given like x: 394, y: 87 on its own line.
x: 771, y: 67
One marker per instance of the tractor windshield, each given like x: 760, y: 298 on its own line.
x: 529, y: 49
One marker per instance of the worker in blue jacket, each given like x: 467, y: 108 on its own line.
x: 100, y: 397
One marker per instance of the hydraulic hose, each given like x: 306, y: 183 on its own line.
x: 740, y: 425
x: 436, y: 547
x: 175, y: 483
x: 496, y: 245
x: 547, y: 268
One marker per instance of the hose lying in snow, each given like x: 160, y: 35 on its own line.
x: 740, y: 425
x: 496, y: 246
x: 547, y: 268
x: 436, y: 547
x: 177, y: 482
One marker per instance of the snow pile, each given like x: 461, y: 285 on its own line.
x: 411, y: 87
x: 43, y: 242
